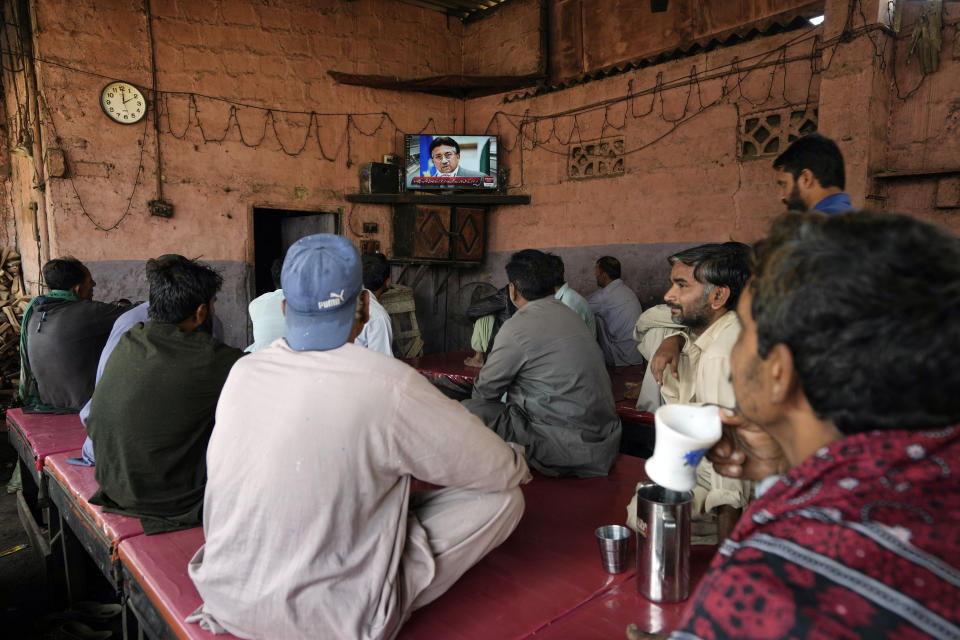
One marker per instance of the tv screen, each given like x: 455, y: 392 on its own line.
x: 451, y: 162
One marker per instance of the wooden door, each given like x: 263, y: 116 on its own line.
x: 470, y: 233
x: 431, y: 238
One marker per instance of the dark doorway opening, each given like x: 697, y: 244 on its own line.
x: 274, y: 230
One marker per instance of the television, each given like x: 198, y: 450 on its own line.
x: 465, y: 163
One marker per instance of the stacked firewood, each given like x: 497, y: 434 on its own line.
x: 13, y: 302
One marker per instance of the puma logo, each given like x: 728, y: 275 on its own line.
x: 336, y: 299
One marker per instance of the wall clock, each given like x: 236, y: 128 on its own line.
x: 123, y: 102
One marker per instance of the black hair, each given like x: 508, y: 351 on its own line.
x: 818, y: 153
x: 276, y: 268
x: 376, y: 270
x: 556, y: 264
x: 178, y: 286
x: 64, y: 273
x: 444, y: 140
x: 531, y: 273
x: 868, y: 304
x: 719, y: 264
x: 610, y: 266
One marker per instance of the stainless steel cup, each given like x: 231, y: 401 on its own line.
x: 614, y: 541
x: 663, y: 543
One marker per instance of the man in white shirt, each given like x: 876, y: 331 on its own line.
x: 570, y: 297
x: 265, y: 313
x: 706, y: 282
x: 319, y: 535
x: 377, y: 334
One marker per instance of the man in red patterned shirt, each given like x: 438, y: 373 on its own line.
x: 847, y: 383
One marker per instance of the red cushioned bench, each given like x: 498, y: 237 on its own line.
x: 548, y: 572
x: 98, y: 532
x: 38, y: 435
x: 157, y: 585
x: 35, y: 436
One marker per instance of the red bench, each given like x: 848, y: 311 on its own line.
x: 38, y: 435
x: 547, y: 575
x: 98, y: 532
x: 157, y: 585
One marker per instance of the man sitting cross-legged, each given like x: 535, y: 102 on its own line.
x: 152, y: 411
x: 559, y: 402
x: 311, y: 532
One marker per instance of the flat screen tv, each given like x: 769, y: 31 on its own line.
x: 464, y: 163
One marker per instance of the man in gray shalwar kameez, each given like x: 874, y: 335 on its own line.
x: 559, y: 403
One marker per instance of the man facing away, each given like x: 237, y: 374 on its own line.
x: 706, y: 282
x: 616, y: 308
x: 811, y: 177
x: 133, y: 316
x: 152, y: 411
x: 317, y: 536
x: 377, y: 333
x: 569, y: 296
x: 559, y: 403
x: 62, y: 334
x: 845, y: 375
x: 265, y: 314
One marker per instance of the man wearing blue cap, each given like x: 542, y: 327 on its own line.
x: 317, y: 536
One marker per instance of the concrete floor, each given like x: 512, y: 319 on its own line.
x: 30, y: 607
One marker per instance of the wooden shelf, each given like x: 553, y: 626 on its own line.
x: 438, y: 198
x: 914, y: 173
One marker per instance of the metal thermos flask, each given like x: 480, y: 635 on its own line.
x: 663, y: 543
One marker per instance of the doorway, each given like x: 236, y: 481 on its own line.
x: 274, y: 230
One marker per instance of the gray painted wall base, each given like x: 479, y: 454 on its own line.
x: 443, y: 294
x: 126, y: 279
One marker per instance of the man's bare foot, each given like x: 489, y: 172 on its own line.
x: 476, y: 360
x: 634, y: 633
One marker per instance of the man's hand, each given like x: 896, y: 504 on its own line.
x: 746, y: 451
x: 633, y: 390
x: 667, y: 354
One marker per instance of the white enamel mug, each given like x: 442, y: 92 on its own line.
x: 684, y: 434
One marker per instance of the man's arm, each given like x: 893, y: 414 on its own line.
x: 501, y: 367
x: 438, y: 440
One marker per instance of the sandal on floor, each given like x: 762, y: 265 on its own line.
x: 95, y: 610
x: 79, y: 631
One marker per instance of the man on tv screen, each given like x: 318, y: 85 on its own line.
x: 445, y: 153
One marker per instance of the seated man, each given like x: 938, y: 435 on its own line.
x: 487, y: 315
x: 377, y: 334
x: 152, y: 412
x: 61, y: 338
x: 706, y: 282
x: 139, y: 313
x: 568, y: 296
x: 846, y: 381
x: 265, y: 314
x: 616, y: 308
x: 559, y: 403
x: 312, y: 531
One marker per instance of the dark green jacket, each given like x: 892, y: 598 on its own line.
x: 150, y: 420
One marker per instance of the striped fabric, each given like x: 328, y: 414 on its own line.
x: 861, y: 540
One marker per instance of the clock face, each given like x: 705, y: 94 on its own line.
x: 123, y: 102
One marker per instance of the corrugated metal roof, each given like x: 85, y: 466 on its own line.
x: 463, y: 9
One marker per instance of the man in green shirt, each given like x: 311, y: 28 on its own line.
x: 153, y: 411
